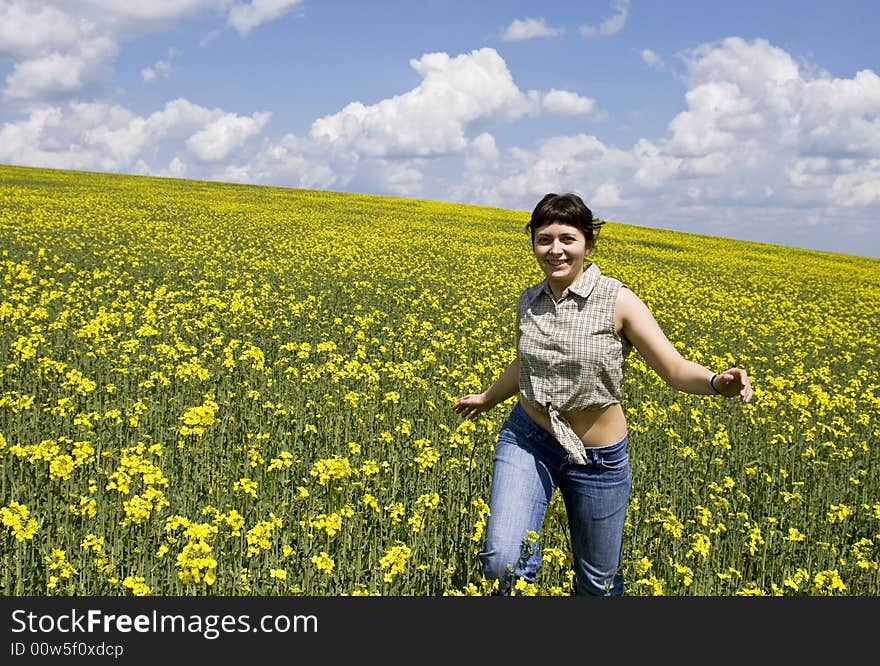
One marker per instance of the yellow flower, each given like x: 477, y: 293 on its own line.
x: 61, y: 467
x: 652, y: 586
x: 284, y: 460
x: 371, y: 502
x: 686, y: 573
x: 17, y: 518
x: 140, y: 508
x: 700, y: 545
x: 234, y: 521
x: 524, y: 588
x: 137, y: 585
x: 789, y: 497
x: 668, y: 521
x: 259, y: 536
x: 828, y: 582
x: 557, y: 555
x: 79, y: 382
x: 482, y: 511
x: 246, y: 486
x: 430, y: 501
x: 862, y: 551
x: 93, y: 542
x: 61, y: 569
x: 838, y: 513
x: 394, y: 560
x: 796, y: 581
x: 795, y: 534
x: 87, y: 507
x: 323, y: 562
x: 427, y: 455
x: 196, y: 563
x: 751, y: 590
x: 336, y: 468
x: 755, y: 539
x: 395, y: 511
x: 197, y: 419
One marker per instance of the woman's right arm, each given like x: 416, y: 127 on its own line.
x: 506, y: 386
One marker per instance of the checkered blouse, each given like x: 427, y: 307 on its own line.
x: 570, y: 356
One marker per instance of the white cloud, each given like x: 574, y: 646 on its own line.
x: 151, y: 74
x: 606, y: 195
x: 610, y: 26
x: 754, y: 94
x: 60, y: 49
x: 296, y: 162
x: 564, y: 103
x: 712, y: 164
x: 482, y: 154
x: 431, y: 118
x: 807, y: 172
x: 456, y: 94
x: 653, y: 168
x: 713, y: 111
x: 860, y: 188
x: 132, y: 17
x: 106, y: 137
x: 651, y: 58
x: 160, y: 69
x: 28, y: 29
x: 244, y: 17
x: 529, y: 28
x: 57, y: 74
x: 757, y: 67
x: 224, y: 135
x: 762, y: 145
x: 31, y: 28
x: 579, y: 163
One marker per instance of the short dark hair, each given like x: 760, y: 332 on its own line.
x: 567, y: 209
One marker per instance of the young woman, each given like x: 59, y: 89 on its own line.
x: 568, y: 429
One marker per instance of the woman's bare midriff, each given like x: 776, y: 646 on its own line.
x: 595, y: 427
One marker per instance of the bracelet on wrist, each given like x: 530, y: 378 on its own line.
x: 712, y: 384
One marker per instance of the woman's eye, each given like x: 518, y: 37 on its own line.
x: 549, y: 241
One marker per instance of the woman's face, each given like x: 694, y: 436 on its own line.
x: 560, y: 250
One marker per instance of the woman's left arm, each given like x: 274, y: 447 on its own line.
x: 642, y: 330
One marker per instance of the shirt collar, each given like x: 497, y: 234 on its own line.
x: 583, y: 286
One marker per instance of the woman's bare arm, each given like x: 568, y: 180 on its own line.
x: 641, y: 328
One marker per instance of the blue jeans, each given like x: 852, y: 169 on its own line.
x: 529, y: 464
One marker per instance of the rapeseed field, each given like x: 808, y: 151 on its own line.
x: 220, y: 389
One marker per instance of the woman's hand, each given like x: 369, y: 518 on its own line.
x: 733, y: 382
x: 471, y: 405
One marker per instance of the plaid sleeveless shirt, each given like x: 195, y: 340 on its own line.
x: 570, y: 355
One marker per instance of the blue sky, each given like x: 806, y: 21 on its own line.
x: 748, y: 120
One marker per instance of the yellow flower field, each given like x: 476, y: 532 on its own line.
x: 218, y: 389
